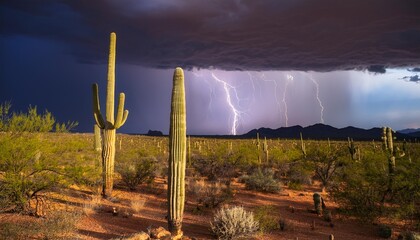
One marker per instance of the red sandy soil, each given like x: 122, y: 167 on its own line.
x: 102, y: 224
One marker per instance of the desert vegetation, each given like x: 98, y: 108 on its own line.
x: 48, y: 175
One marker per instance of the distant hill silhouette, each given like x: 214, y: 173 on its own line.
x: 321, y: 131
x: 154, y: 133
x: 413, y: 132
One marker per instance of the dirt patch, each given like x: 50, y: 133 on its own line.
x: 115, y: 217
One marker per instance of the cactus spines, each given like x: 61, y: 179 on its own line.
x: 109, y: 124
x: 177, y: 156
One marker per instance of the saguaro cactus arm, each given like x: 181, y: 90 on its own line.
x: 96, y: 108
x: 110, y: 88
x: 121, y: 114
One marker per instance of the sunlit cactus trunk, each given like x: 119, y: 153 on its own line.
x: 177, y: 156
x: 97, y: 138
x: 110, y: 124
x: 108, y: 156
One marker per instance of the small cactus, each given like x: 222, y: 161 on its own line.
x: 352, y: 149
x: 302, y: 146
x: 258, y: 148
x: 317, y: 203
x: 265, y: 149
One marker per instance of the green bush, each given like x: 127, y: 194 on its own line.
x: 262, y: 181
x: 137, y: 172
x: 31, y: 164
x: 295, y: 186
x: 233, y: 223
x: 267, y: 217
x: 384, y: 231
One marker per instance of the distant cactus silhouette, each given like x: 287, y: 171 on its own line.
x: 302, y: 146
x: 393, y: 152
x: 109, y: 125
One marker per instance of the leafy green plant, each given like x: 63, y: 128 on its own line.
x: 268, y: 218
x: 262, y: 180
x: 136, y: 172
x: 31, y: 164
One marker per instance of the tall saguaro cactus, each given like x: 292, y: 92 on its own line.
x: 177, y: 156
x: 393, y: 153
x: 109, y: 125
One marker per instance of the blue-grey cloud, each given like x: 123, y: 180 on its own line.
x: 416, y: 69
x: 414, y: 78
x: 305, y: 35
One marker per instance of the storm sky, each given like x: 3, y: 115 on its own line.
x: 248, y: 64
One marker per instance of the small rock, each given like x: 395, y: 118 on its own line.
x: 139, y: 236
x: 114, y: 211
x: 159, y: 233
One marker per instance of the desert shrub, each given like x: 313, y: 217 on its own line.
x: 361, y: 188
x: 92, y: 205
x: 30, y: 164
x: 384, y: 231
x: 262, y: 180
x: 233, y: 223
x: 31, y: 121
x: 209, y: 194
x: 215, y: 167
x: 326, y: 162
x: 56, y: 225
x: 137, y: 204
x: 295, y: 186
x: 136, y: 172
x: 408, y: 235
x: 300, y: 174
x: 267, y: 217
x: 286, y: 225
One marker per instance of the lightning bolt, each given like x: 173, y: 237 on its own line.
x: 289, y: 78
x: 317, y: 97
x: 275, y: 90
x: 236, y: 113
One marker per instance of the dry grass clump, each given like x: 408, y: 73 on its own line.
x: 137, y: 204
x: 234, y: 223
x: 92, y: 206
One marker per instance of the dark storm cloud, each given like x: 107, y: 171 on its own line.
x: 321, y: 35
x: 414, y: 78
x: 416, y: 69
x: 377, y: 69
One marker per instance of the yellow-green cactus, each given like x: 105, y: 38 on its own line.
x: 109, y: 125
x: 302, y: 146
x: 177, y: 156
x: 97, y: 138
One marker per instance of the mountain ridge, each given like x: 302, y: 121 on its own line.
x: 321, y: 131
